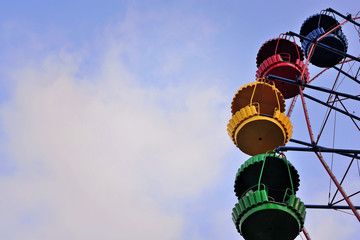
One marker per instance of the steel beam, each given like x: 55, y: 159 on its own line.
x: 330, y: 106
x: 316, y: 149
x: 321, y: 147
x: 346, y: 74
x: 348, y: 17
x: 299, y: 83
x: 312, y: 206
x: 324, y: 46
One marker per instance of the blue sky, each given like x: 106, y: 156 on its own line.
x: 113, y: 117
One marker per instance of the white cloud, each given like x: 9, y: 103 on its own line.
x: 108, y: 158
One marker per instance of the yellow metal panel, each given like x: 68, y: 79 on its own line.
x: 255, y: 134
x: 262, y: 92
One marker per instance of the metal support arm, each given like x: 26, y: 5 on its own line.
x: 324, y: 46
x: 299, y: 83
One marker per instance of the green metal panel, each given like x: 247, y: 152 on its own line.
x: 275, y: 175
x: 256, y: 207
x: 246, y: 203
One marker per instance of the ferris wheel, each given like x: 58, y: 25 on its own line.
x: 266, y: 184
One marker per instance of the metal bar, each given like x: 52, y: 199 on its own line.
x: 332, y: 107
x: 343, y: 193
x: 312, y: 48
x: 350, y: 115
x: 323, y: 162
x: 328, y: 110
x: 343, y: 16
x: 318, y: 75
x: 341, y: 99
x: 345, y: 61
x: 301, y: 142
x: 323, y: 125
x: 344, y: 199
x: 328, y: 207
x: 317, y: 149
x: 357, y: 72
x: 273, y: 77
x: 342, y: 180
x: 346, y: 74
x: 288, y: 148
x: 306, y: 234
x: 335, y: 82
x: 310, y: 145
x: 306, y: 115
x: 324, y: 46
x: 291, y: 106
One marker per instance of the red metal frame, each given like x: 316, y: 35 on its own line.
x: 323, y: 162
x: 342, y: 180
x: 306, y: 234
x: 329, y: 98
x: 318, y: 154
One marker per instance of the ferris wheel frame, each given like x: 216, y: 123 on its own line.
x: 313, y: 145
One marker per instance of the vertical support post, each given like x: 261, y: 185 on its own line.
x: 306, y: 234
x: 306, y: 115
x: 291, y: 106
